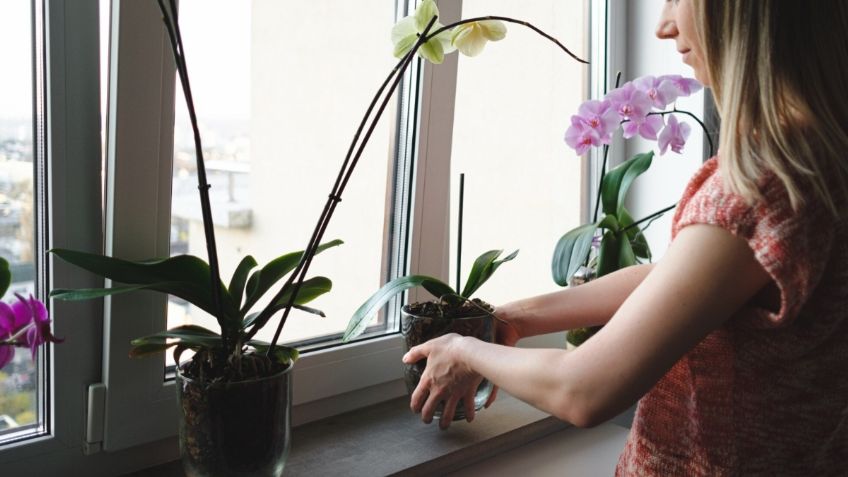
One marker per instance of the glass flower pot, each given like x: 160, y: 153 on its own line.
x: 239, y: 428
x: 418, y: 329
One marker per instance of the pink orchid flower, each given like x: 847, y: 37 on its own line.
x: 581, y: 137
x: 674, y: 134
x: 684, y: 86
x: 647, y: 127
x: 662, y: 90
x: 629, y: 102
x: 600, y: 116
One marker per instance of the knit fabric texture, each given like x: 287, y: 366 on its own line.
x: 766, y: 393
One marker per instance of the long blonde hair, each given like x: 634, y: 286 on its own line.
x: 779, y: 73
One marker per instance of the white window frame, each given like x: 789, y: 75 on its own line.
x: 123, y: 406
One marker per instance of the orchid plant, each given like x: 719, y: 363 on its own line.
x: 615, y: 240
x: 199, y: 282
x: 482, y: 269
x: 25, y: 323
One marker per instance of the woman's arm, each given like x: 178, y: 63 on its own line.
x: 704, y: 278
x: 573, y: 307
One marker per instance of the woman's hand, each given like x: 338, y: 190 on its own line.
x: 445, y: 379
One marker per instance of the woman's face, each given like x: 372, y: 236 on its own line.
x: 677, y: 22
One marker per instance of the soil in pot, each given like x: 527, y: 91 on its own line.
x: 421, y: 322
x: 234, y: 428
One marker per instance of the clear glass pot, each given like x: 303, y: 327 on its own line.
x: 418, y: 329
x: 240, y: 428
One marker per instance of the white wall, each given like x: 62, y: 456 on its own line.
x: 663, y: 184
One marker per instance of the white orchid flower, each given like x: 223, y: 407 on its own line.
x: 406, y: 32
x: 470, y: 38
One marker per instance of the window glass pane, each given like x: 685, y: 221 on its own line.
x: 280, y: 88
x: 522, y: 184
x: 19, y: 380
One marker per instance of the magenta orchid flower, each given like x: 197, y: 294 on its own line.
x: 674, y: 134
x: 662, y: 90
x: 23, y: 323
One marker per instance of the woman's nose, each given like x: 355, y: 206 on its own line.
x: 667, y: 27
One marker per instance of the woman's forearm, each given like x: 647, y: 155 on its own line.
x: 590, y: 304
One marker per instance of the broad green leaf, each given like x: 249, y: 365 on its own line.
x: 191, y: 335
x: 359, y: 321
x: 5, y: 276
x: 239, y: 279
x: 637, y: 239
x: 570, y: 252
x: 626, y: 258
x: 148, y: 349
x: 617, y: 182
x: 483, y: 269
x: 91, y: 293
x: 184, y: 276
x: 282, y: 354
x: 608, y: 256
x: 263, y: 279
x: 309, y: 290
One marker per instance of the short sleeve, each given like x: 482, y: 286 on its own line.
x: 792, y: 247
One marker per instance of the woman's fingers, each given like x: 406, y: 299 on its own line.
x: 492, y: 397
x: 419, y: 396
x: 468, y: 403
x: 416, y: 353
x: 429, y: 408
x: 448, y: 412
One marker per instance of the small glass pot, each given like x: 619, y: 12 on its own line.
x: 240, y: 428
x: 420, y: 329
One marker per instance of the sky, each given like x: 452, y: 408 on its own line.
x: 15, y: 60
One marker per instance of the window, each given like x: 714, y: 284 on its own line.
x: 513, y: 104
x: 276, y: 125
x: 20, y: 381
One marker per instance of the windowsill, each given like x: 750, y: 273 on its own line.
x: 388, y: 439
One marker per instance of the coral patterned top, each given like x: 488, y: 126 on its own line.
x: 767, y: 393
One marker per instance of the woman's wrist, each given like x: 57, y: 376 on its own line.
x: 511, y: 313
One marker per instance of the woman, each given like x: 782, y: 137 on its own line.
x: 736, y: 342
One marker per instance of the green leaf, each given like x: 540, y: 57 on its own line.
x: 190, y: 335
x: 5, y: 276
x: 359, y: 321
x: 608, y: 256
x: 282, y: 354
x: 239, y: 279
x: 309, y: 290
x: 482, y: 270
x: 571, y: 251
x: 148, y: 349
x: 91, y: 293
x: 609, y: 222
x: 263, y: 279
x: 640, y: 246
x: 185, y: 276
x: 638, y: 242
x: 626, y: 258
x: 617, y: 182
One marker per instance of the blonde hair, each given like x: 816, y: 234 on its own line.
x: 779, y: 73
